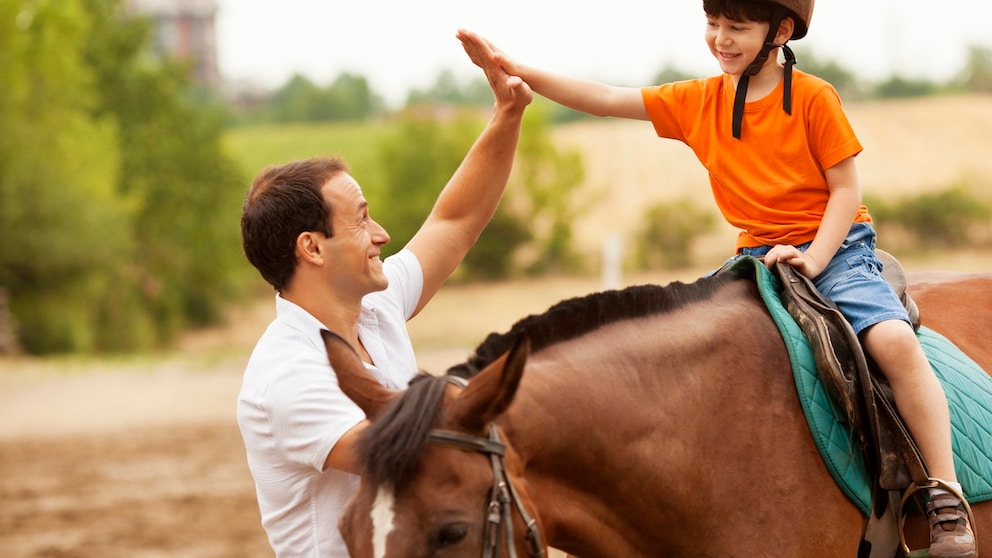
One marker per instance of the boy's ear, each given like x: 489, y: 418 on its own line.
x: 785, y: 30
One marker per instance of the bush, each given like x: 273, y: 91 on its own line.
x: 948, y: 218
x: 665, y: 241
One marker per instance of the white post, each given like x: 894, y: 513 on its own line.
x: 612, y: 272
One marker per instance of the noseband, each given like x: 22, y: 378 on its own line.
x: 502, y: 495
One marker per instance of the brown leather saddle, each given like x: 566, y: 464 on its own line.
x: 864, y: 397
x: 852, y: 380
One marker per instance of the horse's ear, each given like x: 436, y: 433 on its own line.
x: 491, y: 391
x: 353, y: 379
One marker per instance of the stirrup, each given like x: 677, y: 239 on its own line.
x: 911, y: 490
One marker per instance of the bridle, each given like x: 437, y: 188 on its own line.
x: 499, y: 512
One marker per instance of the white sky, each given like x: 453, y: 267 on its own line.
x: 402, y: 44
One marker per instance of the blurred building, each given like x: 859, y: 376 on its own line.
x: 185, y: 29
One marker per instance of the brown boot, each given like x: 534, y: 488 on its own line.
x: 950, y: 534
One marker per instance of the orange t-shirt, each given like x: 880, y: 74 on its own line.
x: 771, y: 182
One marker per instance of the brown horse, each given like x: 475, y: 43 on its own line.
x: 651, y: 421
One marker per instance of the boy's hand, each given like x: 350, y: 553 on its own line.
x: 509, y: 89
x: 796, y: 258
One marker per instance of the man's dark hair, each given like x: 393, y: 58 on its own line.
x: 283, y: 202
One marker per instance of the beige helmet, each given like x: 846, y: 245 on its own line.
x: 801, y: 12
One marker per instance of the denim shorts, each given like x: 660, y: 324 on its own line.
x: 853, y: 280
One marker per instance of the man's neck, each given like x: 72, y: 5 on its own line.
x: 337, y: 315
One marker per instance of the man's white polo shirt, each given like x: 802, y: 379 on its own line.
x: 291, y: 411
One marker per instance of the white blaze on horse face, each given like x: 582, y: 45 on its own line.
x: 382, y: 521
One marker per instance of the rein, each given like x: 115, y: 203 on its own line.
x: 502, y: 495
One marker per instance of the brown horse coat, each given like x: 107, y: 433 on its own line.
x: 654, y: 421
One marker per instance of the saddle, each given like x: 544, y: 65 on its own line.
x: 860, y: 392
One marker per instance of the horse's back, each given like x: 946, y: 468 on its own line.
x: 958, y: 306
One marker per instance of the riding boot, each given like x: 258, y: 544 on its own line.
x: 950, y: 533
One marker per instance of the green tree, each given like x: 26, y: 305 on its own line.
x: 187, y: 189
x: 295, y: 100
x: 119, y: 209
x: 665, y: 242
x: 418, y: 159
x: 447, y: 90
x: 65, y: 229
x: 670, y: 73
x: 549, y: 180
x: 843, y: 79
x: 351, y: 98
x: 977, y: 73
x: 900, y: 87
x: 946, y: 218
x: 536, y: 212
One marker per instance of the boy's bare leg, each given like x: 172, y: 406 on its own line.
x: 923, y: 406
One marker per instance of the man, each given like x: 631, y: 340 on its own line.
x: 306, y: 227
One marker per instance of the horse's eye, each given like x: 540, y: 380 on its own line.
x: 451, y: 534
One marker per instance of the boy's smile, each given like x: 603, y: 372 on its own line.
x: 734, y: 43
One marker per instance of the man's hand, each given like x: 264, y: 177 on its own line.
x: 510, y: 90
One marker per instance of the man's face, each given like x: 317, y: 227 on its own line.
x: 354, y: 250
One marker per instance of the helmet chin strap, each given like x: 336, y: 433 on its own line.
x: 752, y: 70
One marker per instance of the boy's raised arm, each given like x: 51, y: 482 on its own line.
x: 588, y: 96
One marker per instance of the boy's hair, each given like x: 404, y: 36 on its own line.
x: 283, y: 202
x: 764, y: 11
x: 738, y: 10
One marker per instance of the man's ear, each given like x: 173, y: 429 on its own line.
x: 308, y: 247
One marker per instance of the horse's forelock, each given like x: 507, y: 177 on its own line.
x: 393, y: 444
x: 575, y: 316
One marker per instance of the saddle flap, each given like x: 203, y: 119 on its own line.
x: 890, y: 453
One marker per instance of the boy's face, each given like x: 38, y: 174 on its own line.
x: 735, y: 44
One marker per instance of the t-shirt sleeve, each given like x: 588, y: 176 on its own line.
x: 406, y: 284
x: 659, y: 102
x: 675, y: 108
x: 308, y: 411
x: 832, y: 138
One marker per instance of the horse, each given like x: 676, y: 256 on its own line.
x: 643, y: 422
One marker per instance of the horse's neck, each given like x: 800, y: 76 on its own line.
x: 629, y: 400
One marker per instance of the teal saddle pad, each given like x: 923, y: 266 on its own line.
x: 967, y: 386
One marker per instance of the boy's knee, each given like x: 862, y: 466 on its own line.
x: 891, y: 337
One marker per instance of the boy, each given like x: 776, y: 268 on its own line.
x: 780, y: 155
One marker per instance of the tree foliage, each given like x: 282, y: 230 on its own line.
x: 348, y: 98
x: 665, y: 241
x: 119, y: 209
x: 448, y: 90
x: 977, y: 73
x: 549, y: 180
x: 534, y: 217
x: 941, y: 219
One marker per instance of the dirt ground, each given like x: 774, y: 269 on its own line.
x: 141, y: 457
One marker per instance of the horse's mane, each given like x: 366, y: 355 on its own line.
x: 573, y: 317
x: 391, y: 447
